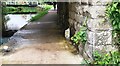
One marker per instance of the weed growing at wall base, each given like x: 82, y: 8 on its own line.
x: 79, y: 37
x: 113, y: 57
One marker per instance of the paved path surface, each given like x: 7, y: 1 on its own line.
x: 40, y: 42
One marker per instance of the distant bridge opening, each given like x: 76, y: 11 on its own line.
x: 20, y: 3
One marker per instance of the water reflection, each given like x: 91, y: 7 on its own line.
x: 17, y: 21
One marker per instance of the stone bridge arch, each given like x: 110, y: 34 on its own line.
x: 99, y: 31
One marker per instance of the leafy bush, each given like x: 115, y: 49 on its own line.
x: 80, y: 36
x: 112, y: 57
x: 47, y: 7
x: 113, y: 13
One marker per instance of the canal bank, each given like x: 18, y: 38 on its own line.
x: 40, y: 42
x: 15, y: 23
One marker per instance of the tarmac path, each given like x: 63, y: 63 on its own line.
x: 40, y: 42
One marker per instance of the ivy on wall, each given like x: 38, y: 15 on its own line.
x: 81, y: 35
x: 113, y: 13
x: 113, y: 57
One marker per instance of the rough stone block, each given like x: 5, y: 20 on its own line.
x: 72, y: 7
x: 71, y: 22
x: 90, y: 37
x: 103, y: 38
x: 75, y: 7
x: 72, y: 15
x: 94, y: 11
x: 78, y: 9
x: 100, y: 23
x: 79, y: 18
x: 81, y: 48
x: 97, y: 11
x: 99, y: 2
x: 104, y: 48
x: 85, y: 7
x: 99, y: 33
x: 89, y: 50
x: 77, y: 26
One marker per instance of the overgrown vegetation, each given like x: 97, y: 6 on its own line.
x: 112, y: 57
x: 81, y: 36
x: 12, y: 10
x: 41, y: 13
x: 113, y: 13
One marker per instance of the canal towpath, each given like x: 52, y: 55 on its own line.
x: 40, y: 42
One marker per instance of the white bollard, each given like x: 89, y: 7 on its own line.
x: 67, y: 33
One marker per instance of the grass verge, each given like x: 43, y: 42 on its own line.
x: 41, y: 13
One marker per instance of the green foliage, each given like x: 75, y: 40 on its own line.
x: 4, y: 11
x: 80, y: 36
x: 109, y: 58
x: 41, y: 13
x: 47, y: 7
x: 113, y: 12
x: 12, y: 10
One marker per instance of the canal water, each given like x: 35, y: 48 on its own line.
x: 15, y: 22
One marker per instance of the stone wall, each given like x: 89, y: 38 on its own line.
x: 63, y: 14
x: 75, y: 17
x: 99, y: 31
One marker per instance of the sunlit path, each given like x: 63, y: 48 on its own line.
x: 41, y: 42
x: 91, y: 28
